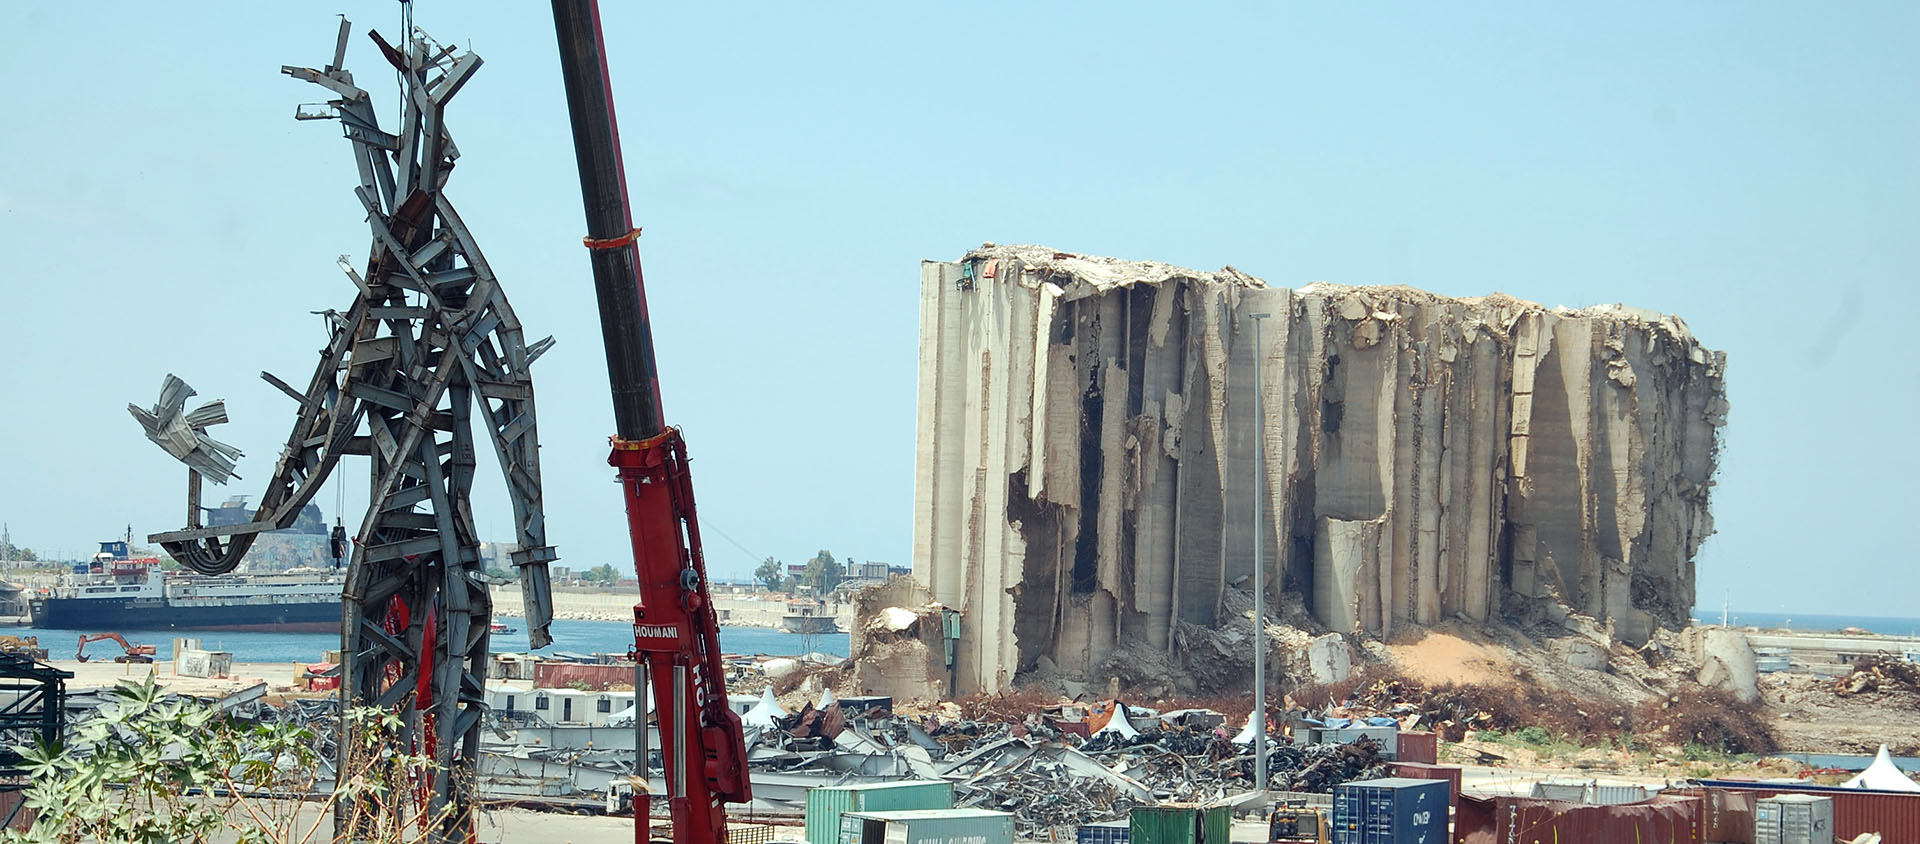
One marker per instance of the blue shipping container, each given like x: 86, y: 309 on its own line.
x: 1111, y: 832
x: 1396, y: 810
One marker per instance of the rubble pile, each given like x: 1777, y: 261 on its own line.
x: 1453, y: 709
x: 1036, y: 765
x: 1879, y: 672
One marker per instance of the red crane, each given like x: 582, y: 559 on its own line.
x: 676, y: 633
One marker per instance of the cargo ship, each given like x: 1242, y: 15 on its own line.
x: 115, y: 591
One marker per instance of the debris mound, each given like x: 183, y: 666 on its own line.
x: 1711, y: 718
x: 1879, y: 672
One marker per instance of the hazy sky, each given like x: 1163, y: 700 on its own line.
x: 1754, y: 168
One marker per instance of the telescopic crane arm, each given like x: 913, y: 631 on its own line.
x: 676, y: 632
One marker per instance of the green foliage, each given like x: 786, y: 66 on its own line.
x: 602, y: 573
x: 770, y: 573
x: 821, y: 574
x: 149, y: 770
x: 1536, y: 736
x: 10, y: 551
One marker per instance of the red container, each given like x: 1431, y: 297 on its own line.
x: 1895, y: 816
x: 1420, y: 746
x: 1726, y: 817
x: 1420, y: 771
x: 1496, y: 820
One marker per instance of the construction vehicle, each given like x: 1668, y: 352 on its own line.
x: 134, y: 653
x: 676, y: 634
x: 1294, y: 822
x: 26, y: 646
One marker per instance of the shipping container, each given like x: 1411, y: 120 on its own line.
x: 1419, y: 746
x: 1418, y: 771
x: 1571, y: 792
x: 1895, y: 816
x: 1793, y: 819
x: 1660, y: 820
x: 1109, y: 832
x: 1395, y: 810
x: 1180, y: 823
x: 826, y: 804
x: 1613, y: 795
x: 1387, y: 737
x: 927, y: 826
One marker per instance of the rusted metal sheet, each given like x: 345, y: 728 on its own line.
x: 1661, y: 820
x: 1422, y: 771
x: 1895, y: 816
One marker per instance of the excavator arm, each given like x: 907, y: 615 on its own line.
x: 134, y: 653
x: 676, y: 632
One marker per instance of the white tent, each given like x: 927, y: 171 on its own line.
x: 826, y: 699
x: 764, y: 713
x: 1882, y: 775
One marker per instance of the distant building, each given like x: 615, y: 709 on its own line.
x: 234, y: 511
x: 868, y: 570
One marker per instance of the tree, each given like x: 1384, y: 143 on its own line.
x: 602, y: 573
x: 822, y: 573
x: 769, y: 574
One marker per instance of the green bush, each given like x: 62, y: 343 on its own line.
x: 149, y: 770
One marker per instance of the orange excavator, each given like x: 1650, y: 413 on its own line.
x: 134, y: 653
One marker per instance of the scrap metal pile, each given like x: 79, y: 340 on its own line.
x: 1051, y: 768
x: 1041, y: 769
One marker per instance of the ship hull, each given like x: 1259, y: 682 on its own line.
x: 137, y: 614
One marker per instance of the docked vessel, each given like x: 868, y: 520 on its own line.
x: 117, y: 591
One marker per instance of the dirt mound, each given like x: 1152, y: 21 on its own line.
x: 1709, y: 718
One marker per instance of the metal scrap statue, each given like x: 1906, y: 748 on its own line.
x: 429, y: 340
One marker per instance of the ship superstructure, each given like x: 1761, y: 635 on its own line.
x: 118, y: 591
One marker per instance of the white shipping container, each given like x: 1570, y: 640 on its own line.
x: 1793, y: 819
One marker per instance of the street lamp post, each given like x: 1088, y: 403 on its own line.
x: 1259, y: 576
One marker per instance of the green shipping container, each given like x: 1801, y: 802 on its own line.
x: 826, y: 804
x: 927, y: 826
x: 1180, y: 823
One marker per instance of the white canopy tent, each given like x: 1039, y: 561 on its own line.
x: 1883, y: 775
x: 764, y: 713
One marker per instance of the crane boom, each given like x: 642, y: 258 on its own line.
x: 676, y: 632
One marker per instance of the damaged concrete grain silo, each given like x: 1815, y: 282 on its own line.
x: 1085, y: 483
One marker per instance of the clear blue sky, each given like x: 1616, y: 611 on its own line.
x: 1754, y: 168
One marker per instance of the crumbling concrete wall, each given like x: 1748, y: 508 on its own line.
x: 897, y: 645
x: 1085, y: 470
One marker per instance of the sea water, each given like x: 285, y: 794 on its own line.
x: 581, y: 637
x: 1810, y: 622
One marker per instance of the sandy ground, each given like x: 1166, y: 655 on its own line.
x: 586, y: 605
x: 1446, y: 658
x: 102, y: 675
x: 1809, y: 717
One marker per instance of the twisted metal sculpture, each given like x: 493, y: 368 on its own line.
x: 429, y: 338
